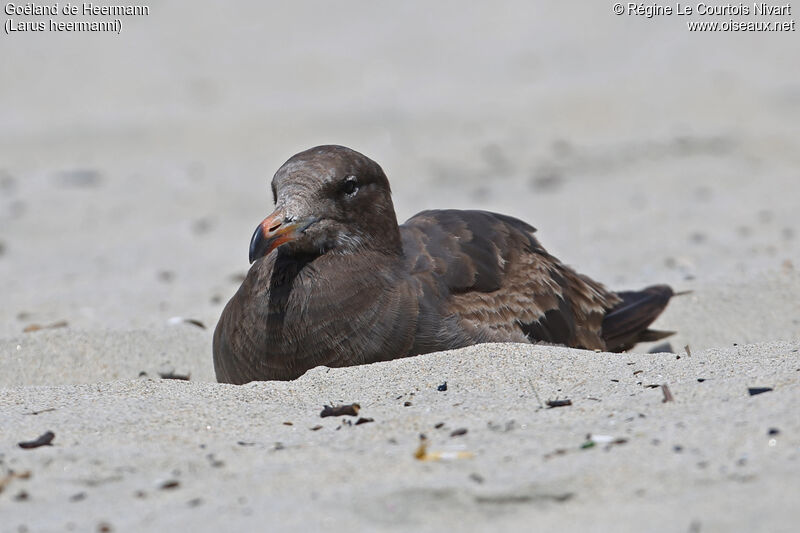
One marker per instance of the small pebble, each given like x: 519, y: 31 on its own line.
x: 477, y: 478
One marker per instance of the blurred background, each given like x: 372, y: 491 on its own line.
x: 134, y: 167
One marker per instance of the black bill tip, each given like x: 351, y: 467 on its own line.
x: 258, y: 244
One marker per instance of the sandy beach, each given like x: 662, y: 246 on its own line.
x: 134, y: 168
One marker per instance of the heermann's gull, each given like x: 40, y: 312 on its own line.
x: 336, y: 282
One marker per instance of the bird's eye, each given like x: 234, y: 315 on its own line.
x: 350, y: 186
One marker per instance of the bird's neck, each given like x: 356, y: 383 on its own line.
x: 386, y: 235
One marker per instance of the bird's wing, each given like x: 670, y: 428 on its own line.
x: 492, y: 273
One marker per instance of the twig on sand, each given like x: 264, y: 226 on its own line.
x: 536, y: 394
x: 41, y: 411
x: 667, y: 394
x: 37, y: 327
x: 5, y: 480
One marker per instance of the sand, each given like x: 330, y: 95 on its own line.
x: 248, y: 456
x: 135, y: 166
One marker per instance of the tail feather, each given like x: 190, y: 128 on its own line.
x: 626, y: 324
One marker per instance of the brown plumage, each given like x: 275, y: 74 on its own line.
x: 336, y: 282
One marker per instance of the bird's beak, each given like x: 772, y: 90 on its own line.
x: 274, y: 231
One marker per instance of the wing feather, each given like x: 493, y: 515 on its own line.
x: 500, y: 282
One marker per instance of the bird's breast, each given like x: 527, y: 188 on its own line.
x: 333, y: 312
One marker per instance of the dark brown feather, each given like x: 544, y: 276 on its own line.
x: 626, y: 324
x: 500, y: 282
x: 354, y: 289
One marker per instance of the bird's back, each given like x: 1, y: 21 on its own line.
x: 490, y: 278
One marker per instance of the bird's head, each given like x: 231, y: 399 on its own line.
x: 329, y: 199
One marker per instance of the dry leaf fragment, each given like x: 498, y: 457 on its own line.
x: 173, y: 375
x: 45, y: 439
x: 340, y: 410
x: 37, y: 327
x: 422, y: 453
